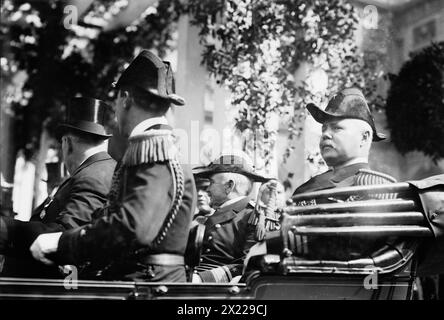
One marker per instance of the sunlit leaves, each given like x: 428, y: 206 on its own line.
x: 61, y: 62
x: 255, y: 48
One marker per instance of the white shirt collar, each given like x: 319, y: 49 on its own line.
x: 145, y: 124
x: 231, y: 201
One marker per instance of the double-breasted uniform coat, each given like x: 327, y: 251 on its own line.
x: 227, y: 239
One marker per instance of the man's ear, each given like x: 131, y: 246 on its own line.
x: 229, y: 186
x: 366, y: 136
x: 125, y: 95
x: 70, y: 144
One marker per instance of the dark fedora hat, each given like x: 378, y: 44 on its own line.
x: 86, y: 115
x: 349, y: 103
x: 148, y: 72
x: 228, y: 163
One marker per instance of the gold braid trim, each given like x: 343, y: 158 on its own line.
x: 179, y: 188
x: 150, y: 147
x: 158, y: 146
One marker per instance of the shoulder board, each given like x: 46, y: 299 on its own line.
x: 150, y: 147
x: 366, y: 177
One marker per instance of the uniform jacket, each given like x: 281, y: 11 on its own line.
x: 71, y: 206
x: 343, y: 177
x: 327, y: 247
x: 227, y: 239
x: 123, y: 234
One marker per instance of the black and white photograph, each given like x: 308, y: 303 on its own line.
x: 221, y: 154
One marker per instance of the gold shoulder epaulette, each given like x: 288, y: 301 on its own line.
x: 366, y: 177
x: 150, y: 147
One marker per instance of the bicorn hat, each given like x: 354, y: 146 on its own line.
x: 229, y: 163
x: 148, y: 72
x: 86, y: 115
x: 349, y: 103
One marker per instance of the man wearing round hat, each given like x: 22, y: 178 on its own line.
x: 142, y: 233
x: 228, y: 234
x: 83, y: 137
x: 348, y: 130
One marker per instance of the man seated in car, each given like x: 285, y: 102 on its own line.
x: 348, y: 130
x: 228, y: 234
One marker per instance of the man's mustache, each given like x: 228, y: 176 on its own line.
x: 326, y: 144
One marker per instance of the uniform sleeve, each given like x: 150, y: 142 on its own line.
x: 134, y: 222
x: 222, y: 274
x: 87, y: 195
x: 250, y: 232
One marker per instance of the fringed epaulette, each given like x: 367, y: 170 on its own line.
x: 150, y: 147
x: 366, y: 177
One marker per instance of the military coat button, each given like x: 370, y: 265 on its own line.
x: 218, y: 226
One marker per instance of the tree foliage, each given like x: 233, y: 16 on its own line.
x: 415, y: 103
x: 255, y: 48
x: 61, y: 63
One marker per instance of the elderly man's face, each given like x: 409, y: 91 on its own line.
x: 217, y: 190
x: 341, y: 141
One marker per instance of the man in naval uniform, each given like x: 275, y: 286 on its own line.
x: 142, y: 232
x: 83, y: 139
x: 348, y: 130
x: 229, y: 233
